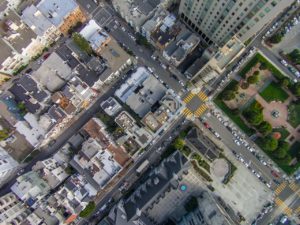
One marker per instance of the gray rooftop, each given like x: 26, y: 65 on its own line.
x: 159, y: 180
x: 56, y: 10
x: 37, y: 21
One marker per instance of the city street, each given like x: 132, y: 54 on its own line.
x: 228, y: 140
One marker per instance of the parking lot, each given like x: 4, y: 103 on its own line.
x: 244, y: 192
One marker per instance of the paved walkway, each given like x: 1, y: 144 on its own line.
x: 282, y: 120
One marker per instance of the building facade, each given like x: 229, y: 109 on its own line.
x: 7, y: 165
x: 218, y: 20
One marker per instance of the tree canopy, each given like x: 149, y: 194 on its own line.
x: 88, y: 210
x: 264, y: 128
x: 228, y: 95
x: 269, y: 143
x: 179, y: 143
x: 82, y: 43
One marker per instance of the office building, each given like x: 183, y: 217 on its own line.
x: 218, y: 20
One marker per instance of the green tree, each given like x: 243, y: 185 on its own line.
x: 282, y: 149
x: 88, y: 210
x: 244, y: 85
x: 235, y: 88
x: 253, y: 79
x: 69, y: 170
x: 256, y: 73
x: 269, y: 143
x: 4, y: 134
x: 263, y: 66
x: 264, y: 128
x: 179, y: 143
x: 285, y: 82
x: 296, y: 89
x: 191, y: 205
x: 294, y: 56
x: 82, y: 43
x: 228, y: 95
x: 253, y: 117
x: 276, y: 38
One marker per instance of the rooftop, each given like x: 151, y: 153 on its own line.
x: 141, y: 91
x: 53, y: 73
x: 158, y: 181
x: 56, y: 10
x: 95, y: 35
x: 15, y: 32
x: 37, y: 21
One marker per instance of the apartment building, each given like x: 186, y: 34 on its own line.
x: 218, y: 20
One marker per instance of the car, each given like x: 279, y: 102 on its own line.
x: 123, y: 29
x: 283, y: 62
x: 150, y: 69
x: 241, y: 159
x: 174, y: 77
x: 258, y: 175
x: 163, y: 66
x: 47, y: 55
x: 206, y: 125
x: 268, y: 185
x: 181, y: 83
x: 274, y: 173
x: 237, y: 142
x: 28, y: 70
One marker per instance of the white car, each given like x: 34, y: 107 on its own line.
x: 237, y: 142
x: 283, y: 62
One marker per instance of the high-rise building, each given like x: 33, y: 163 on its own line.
x: 218, y: 20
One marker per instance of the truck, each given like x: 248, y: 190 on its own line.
x: 143, y: 167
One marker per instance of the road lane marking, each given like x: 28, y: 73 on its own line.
x: 280, y: 188
x: 202, y: 96
x: 294, y: 186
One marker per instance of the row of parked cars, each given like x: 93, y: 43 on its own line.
x: 266, y: 209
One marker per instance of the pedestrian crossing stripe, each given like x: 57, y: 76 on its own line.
x: 288, y: 211
x: 202, y: 96
x: 187, y: 112
x: 188, y: 98
x: 297, y: 210
x: 294, y: 186
x: 200, y: 110
x: 278, y: 201
x: 280, y: 188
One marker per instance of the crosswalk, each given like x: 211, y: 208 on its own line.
x: 200, y: 110
x: 287, y: 210
x: 187, y: 112
x: 280, y: 188
x: 294, y: 186
x: 188, y: 97
x: 202, y: 96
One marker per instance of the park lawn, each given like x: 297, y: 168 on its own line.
x: 283, y: 131
x: 273, y: 92
x: 259, y: 58
x: 234, y: 117
x: 294, y: 114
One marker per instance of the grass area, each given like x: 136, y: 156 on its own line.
x: 201, y: 162
x: 111, y: 125
x: 201, y: 172
x: 283, y: 131
x: 273, y: 92
x: 229, y: 112
x: 294, y: 114
x: 258, y: 58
